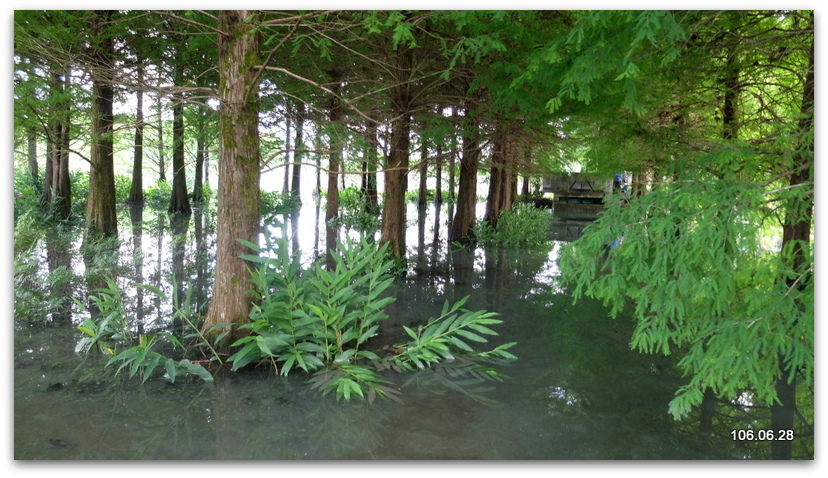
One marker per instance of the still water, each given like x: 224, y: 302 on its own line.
x: 577, y: 391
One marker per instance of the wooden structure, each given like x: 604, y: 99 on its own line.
x: 578, y: 188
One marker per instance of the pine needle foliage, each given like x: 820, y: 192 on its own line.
x: 691, y: 262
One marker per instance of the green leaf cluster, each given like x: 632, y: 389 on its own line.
x: 110, y: 328
x: 318, y: 318
x: 690, y: 260
x: 524, y: 226
x: 320, y: 321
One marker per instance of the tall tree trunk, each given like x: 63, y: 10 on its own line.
x: 371, y: 161
x: 31, y: 140
x: 501, y: 184
x: 796, y: 242
x: 438, y: 173
x: 422, y: 196
x: 136, y: 190
x: 288, y: 152
x: 462, y: 226
x: 392, y: 230
x: 332, y: 203
x: 162, y: 174
x: 238, y: 212
x: 201, y: 145
x: 298, y: 151
x: 57, y: 188
x: 179, y: 201
x: 101, y: 218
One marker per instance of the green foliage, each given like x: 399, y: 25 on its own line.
x: 112, y: 328
x: 275, y: 203
x: 524, y: 226
x: 320, y: 321
x: 353, y: 213
x: 122, y: 187
x: 27, y: 193
x: 158, y: 195
x: 690, y: 257
x: 446, y: 338
x: 317, y: 318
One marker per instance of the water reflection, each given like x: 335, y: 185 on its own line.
x: 576, y: 392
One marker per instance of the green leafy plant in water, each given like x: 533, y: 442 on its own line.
x: 522, y: 227
x: 321, y: 321
x: 110, y: 329
x: 353, y: 213
x: 446, y: 338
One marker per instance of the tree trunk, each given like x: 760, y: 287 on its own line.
x: 101, y: 218
x: 392, y: 230
x: 438, y: 173
x: 136, y: 190
x: 462, y: 226
x: 57, y: 188
x: 371, y: 160
x: 796, y: 239
x: 179, y: 201
x: 31, y: 140
x: 238, y: 189
x: 201, y: 145
x: 298, y: 150
x: 422, y: 196
x: 288, y: 152
x: 332, y: 203
x: 162, y: 175
x: 501, y: 184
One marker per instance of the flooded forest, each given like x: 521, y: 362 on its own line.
x: 413, y: 235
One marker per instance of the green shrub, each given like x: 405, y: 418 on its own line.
x: 320, y: 321
x: 353, y: 214
x: 115, y: 333
x: 522, y: 227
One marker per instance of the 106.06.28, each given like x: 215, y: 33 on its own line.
x: 762, y: 435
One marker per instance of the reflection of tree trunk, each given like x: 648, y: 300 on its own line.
x: 421, y: 216
x: 462, y: 261
x: 57, y: 257
x: 199, y: 292
x: 435, y: 244
x: 796, y: 243
x: 136, y: 217
x: 179, y: 223
x: 159, y: 251
x: 238, y: 214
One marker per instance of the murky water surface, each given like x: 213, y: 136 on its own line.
x: 577, y: 391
